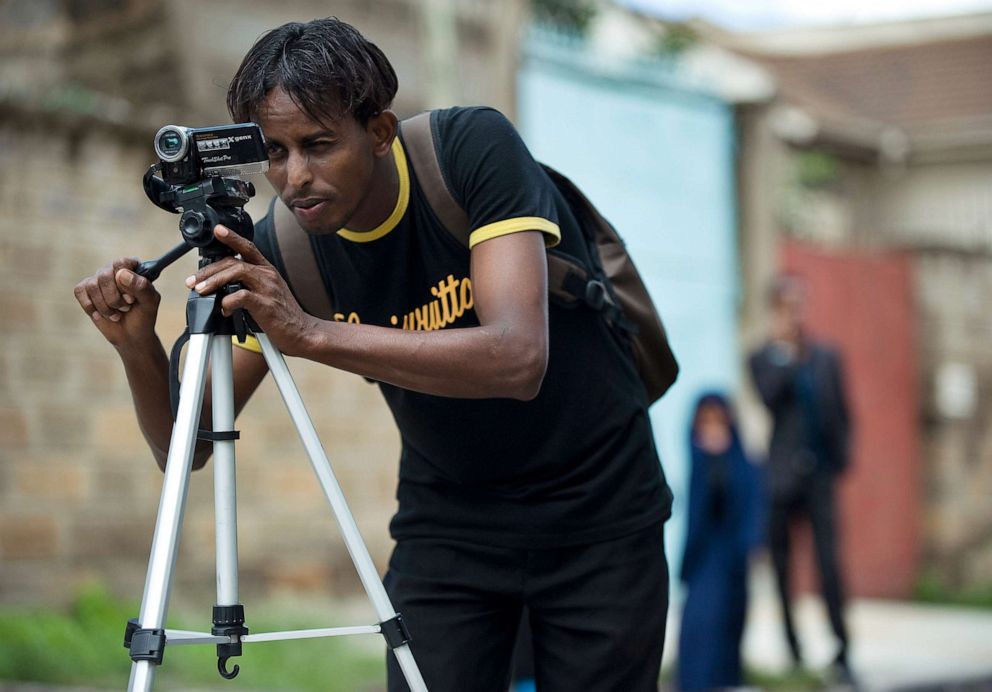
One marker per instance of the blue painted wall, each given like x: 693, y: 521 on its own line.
x: 657, y: 158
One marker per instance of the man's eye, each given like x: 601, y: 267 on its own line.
x: 274, y: 152
x: 321, y: 144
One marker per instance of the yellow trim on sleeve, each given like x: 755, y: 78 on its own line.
x: 250, y: 344
x: 402, y: 200
x: 522, y: 223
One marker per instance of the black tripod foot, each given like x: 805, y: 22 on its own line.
x: 229, y: 621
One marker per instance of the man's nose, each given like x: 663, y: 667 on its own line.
x: 298, y: 173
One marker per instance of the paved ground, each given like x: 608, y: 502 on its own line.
x: 895, y: 645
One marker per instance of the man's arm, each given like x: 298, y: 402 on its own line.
x: 506, y: 356
x: 843, y: 432
x: 124, y: 306
x: 147, y: 373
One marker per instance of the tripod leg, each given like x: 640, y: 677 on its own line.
x: 349, y: 529
x: 165, y: 542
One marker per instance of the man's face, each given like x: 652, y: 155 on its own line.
x: 790, y: 309
x: 321, y: 170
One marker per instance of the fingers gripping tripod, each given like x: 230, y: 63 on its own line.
x: 146, y: 636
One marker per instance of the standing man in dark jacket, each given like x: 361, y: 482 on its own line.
x: 801, y: 383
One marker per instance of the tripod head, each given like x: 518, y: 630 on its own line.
x: 203, y: 205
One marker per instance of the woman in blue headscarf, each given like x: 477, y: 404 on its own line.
x: 724, y: 526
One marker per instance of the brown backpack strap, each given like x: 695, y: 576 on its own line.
x: 299, y: 262
x: 418, y: 138
x: 569, y: 282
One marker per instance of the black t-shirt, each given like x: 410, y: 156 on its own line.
x: 577, y: 464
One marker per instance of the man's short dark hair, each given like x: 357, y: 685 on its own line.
x: 326, y: 66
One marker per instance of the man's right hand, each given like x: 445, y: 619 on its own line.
x: 122, y: 304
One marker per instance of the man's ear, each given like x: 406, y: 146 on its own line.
x: 382, y: 129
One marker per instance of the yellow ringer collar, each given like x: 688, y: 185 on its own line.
x: 401, y: 203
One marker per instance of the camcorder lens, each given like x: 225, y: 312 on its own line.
x: 171, y: 143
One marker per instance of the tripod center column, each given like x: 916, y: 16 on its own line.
x: 225, y: 493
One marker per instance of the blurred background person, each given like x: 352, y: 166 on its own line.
x: 801, y: 383
x: 724, y: 527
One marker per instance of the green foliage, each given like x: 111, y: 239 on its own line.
x: 54, y: 647
x: 816, y: 169
x: 568, y: 15
x: 677, y: 39
x: 930, y: 588
x: 84, y: 646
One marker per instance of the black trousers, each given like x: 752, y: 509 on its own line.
x: 815, y: 502
x: 597, y: 613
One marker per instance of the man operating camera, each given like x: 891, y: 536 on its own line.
x: 528, y: 474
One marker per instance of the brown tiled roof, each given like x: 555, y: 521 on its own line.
x: 915, y: 87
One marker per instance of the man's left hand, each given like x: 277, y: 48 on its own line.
x: 263, y: 294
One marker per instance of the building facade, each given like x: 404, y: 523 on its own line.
x: 878, y: 144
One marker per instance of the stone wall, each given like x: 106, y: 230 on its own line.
x: 88, y: 84
x: 956, y: 329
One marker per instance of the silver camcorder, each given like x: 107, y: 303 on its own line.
x: 189, y: 154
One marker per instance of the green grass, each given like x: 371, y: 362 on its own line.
x: 84, y: 646
x: 930, y: 588
x: 795, y: 680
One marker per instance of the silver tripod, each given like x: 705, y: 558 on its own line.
x: 210, y: 343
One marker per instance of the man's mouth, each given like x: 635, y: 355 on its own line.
x: 308, y: 203
x: 310, y: 209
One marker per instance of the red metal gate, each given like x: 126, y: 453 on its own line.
x: 863, y: 303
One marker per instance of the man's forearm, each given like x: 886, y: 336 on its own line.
x: 504, y: 357
x: 147, y: 371
x: 474, y: 362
